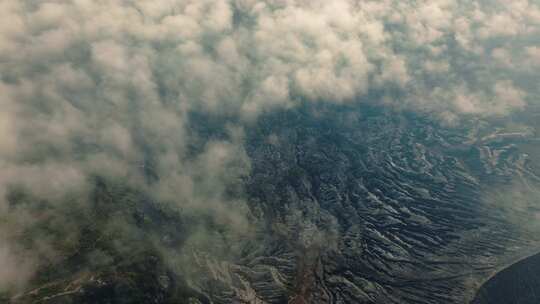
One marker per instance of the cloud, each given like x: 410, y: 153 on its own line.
x: 107, y: 87
x: 533, y: 55
x: 16, y: 268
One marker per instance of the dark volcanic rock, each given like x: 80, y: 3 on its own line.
x: 372, y: 207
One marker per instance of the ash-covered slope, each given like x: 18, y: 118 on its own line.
x: 374, y: 207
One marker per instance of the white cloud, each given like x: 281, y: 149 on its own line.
x: 533, y: 55
x: 15, y: 270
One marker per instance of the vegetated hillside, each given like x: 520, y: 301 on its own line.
x: 349, y: 206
